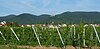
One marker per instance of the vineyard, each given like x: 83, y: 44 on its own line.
x: 81, y: 35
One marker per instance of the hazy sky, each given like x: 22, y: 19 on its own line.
x: 38, y: 7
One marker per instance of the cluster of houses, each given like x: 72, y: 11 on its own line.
x: 4, y: 23
x: 59, y: 25
x: 45, y: 25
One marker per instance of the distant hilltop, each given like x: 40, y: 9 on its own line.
x: 63, y: 18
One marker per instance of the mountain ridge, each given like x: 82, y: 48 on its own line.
x: 66, y: 17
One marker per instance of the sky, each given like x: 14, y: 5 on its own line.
x: 52, y: 7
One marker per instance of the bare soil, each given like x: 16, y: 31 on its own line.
x: 67, y: 47
x: 37, y: 47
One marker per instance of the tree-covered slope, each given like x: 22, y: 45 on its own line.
x: 66, y: 17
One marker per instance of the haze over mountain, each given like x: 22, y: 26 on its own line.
x: 66, y: 17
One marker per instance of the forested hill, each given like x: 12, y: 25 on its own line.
x: 66, y: 17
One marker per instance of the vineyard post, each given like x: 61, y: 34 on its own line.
x: 84, y: 35
x: 79, y: 41
x: 96, y: 32
x: 71, y: 32
x: 74, y: 30
x: 45, y: 28
x: 14, y: 33
x: 60, y: 36
x: 42, y: 28
x: 2, y: 35
x: 74, y: 39
x: 53, y: 28
x: 23, y: 29
x: 36, y: 36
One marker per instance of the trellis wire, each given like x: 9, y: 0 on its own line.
x: 96, y: 33
x: 36, y: 36
x: 60, y: 36
x: 2, y: 35
x: 14, y: 33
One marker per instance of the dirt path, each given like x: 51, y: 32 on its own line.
x: 37, y: 47
x: 67, y: 47
x: 30, y: 47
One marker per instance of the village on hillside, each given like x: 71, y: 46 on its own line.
x: 5, y: 24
